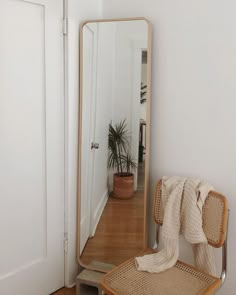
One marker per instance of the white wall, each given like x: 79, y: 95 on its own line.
x: 193, y: 94
x: 78, y: 11
x: 131, y: 37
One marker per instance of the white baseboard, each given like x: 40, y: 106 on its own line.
x: 70, y: 286
x: 98, y: 213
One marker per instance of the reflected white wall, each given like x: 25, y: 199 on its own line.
x: 144, y: 82
x: 130, y: 38
x: 128, y: 34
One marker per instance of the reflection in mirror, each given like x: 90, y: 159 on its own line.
x: 113, y: 143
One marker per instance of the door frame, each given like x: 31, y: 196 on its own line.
x: 66, y: 95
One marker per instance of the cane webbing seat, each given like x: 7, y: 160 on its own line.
x: 182, y: 279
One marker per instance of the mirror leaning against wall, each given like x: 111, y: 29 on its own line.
x: 114, y: 132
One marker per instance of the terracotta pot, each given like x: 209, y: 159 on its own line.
x: 123, y: 185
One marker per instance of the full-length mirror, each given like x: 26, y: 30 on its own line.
x: 115, y: 69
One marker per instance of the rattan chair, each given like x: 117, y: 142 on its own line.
x: 182, y: 279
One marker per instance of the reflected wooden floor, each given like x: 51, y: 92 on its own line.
x: 119, y: 234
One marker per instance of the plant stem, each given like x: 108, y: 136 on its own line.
x: 117, y: 161
x: 120, y: 158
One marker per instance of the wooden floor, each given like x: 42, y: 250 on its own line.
x: 119, y: 234
x: 65, y: 291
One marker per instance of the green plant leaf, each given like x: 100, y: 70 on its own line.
x: 119, y: 146
x: 129, y: 163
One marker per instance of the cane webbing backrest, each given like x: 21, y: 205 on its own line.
x: 181, y: 279
x: 214, y: 216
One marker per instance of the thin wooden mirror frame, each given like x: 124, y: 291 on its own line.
x: 147, y: 154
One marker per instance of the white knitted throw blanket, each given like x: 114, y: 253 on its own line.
x: 183, y: 199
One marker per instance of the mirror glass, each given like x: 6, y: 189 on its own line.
x: 113, y: 147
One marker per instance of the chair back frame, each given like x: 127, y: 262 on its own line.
x: 219, y: 239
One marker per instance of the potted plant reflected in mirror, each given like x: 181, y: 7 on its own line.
x: 121, y: 160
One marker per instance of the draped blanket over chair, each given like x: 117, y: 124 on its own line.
x: 183, y: 199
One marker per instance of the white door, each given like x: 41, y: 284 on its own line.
x: 31, y: 147
x: 88, y: 129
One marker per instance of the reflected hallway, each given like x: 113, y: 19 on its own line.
x: 119, y: 234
